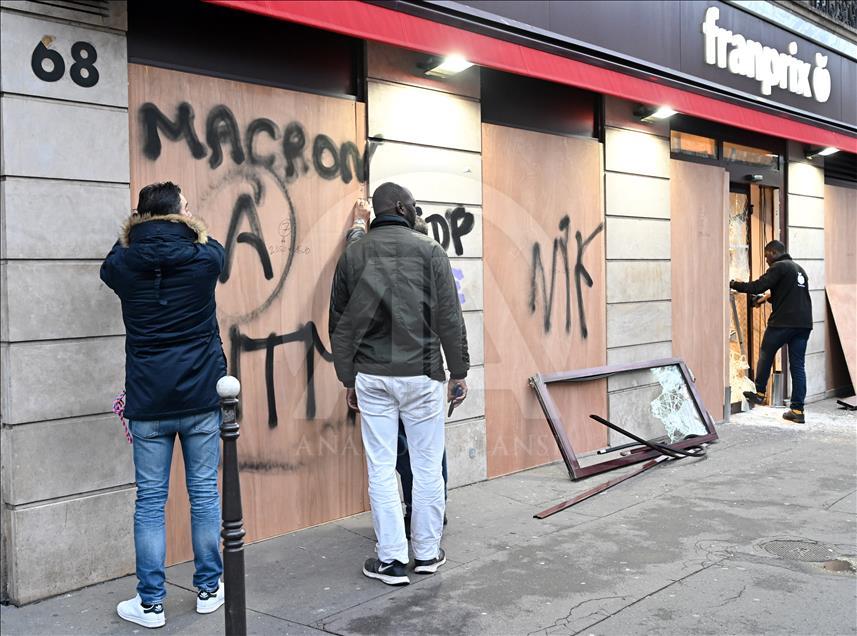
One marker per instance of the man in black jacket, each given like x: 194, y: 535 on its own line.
x: 789, y: 324
x: 393, y: 305
x: 164, y: 270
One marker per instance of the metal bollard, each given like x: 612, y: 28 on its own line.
x: 228, y: 389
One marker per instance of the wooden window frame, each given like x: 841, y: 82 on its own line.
x: 541, y: 381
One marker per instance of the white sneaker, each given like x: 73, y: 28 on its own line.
x: 150, y: 616
x: 208, y: 602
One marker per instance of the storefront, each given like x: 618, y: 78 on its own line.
x: 583, y: 226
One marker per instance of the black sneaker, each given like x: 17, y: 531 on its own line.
x: 430, y: 566
x: 392, y: 573
x: 755, y: 399
x: 793, y: 415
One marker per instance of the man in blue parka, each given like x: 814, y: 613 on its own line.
x: 164, y: 269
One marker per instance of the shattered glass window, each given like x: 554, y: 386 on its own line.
x: 674, y: 406
x: 654, y: 404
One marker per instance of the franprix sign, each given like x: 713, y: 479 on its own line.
x: 765, y: 64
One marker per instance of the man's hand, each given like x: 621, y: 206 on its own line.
x: 761, y: 299
x: 732, y: 284
x: 351, y: 399
x: 360, y: 212
x: 456, y: 391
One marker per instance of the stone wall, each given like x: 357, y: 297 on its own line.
x: 64, y: 189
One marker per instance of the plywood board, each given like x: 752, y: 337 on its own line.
x: 840, y: 219
x: 301, y: 456
x: 700, y: 222
x: 843, y: 304
x: 543, y: 198
x: 840, y: 247
x: 761, y: 233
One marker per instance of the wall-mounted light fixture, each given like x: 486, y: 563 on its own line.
x: 650, y: 114
x: 812, y: 153
x: 445, y: 67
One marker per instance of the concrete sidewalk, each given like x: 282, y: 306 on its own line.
x: 684, y: 548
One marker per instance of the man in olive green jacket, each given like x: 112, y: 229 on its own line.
x: 393, y: 306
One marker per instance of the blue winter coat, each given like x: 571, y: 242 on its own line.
x: 164, y: 270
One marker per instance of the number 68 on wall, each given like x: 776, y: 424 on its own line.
x: 82, y: 72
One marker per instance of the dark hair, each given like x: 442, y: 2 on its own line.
x: 777, y: 248
x: 159, y: 199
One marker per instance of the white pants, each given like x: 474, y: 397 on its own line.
x: 419, y: 402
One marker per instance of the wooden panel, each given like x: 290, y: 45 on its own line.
x: 431, y: 174
x: 423, y: 116
x: 843, y: 304
x: 633, y: 195
x: 403, y: 66
x: 761, y: 233
x: 540, y: 191
x: 699, y: 196
x: 840, y: 218
x: 840, y: 246
x: 301, y: 457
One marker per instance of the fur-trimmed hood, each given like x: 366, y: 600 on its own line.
x: 196, y: 225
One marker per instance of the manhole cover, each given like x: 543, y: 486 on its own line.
x: 800, y: 550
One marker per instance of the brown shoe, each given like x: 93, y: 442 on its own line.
x: 793, y: 415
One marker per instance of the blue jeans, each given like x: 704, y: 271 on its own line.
x: 153, y: 453
x: 403, y: 467
x: 773, y: 340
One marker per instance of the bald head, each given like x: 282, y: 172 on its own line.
x: 391, y: 198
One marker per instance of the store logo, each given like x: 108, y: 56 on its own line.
x: 765, y: 64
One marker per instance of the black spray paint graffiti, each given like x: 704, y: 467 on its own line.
x: 306, y: 334
x: 291, y: 161
x: 560, y: 246
x: 221, y: 127
x: 453, y: 225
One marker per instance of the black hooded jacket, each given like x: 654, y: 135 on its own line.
x: 164, y: 270
x: 789, y: 287
x: 393, y: 305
